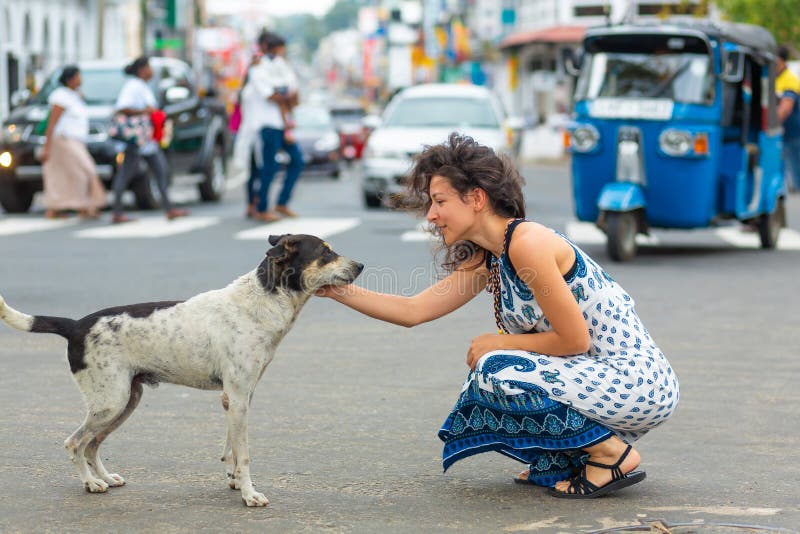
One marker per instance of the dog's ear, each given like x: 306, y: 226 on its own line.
x: 273, y: 239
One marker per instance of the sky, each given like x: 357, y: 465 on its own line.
x: 275, y: 8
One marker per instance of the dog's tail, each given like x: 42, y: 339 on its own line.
x: 47, y: 325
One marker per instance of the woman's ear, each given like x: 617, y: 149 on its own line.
x: 479, y: 198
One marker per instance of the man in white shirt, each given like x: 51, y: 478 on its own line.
x: 272, y: 85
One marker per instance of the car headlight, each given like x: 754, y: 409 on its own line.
x: 98, y: 132
x: 15, y: 133
x: 675, y: 142
x: 328, y: 142
x: 584, y: 138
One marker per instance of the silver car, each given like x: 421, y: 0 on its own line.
x: 426, y: 115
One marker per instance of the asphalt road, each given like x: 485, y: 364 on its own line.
x: 343, y: 425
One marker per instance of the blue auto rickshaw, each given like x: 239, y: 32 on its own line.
x: 676, y: 126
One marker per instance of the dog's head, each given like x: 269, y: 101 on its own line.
x: 304, y: 263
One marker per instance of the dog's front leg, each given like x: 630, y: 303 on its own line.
x: 237, y: 434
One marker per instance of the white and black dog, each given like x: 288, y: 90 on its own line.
x: 221, y: 339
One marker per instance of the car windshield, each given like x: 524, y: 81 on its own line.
x: 312, y: 118
x: 342, y: 116
x: 432, y: 112
x: 680, y: 77
x: 100, y: 86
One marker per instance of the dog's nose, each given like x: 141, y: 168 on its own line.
x: 359, y: 268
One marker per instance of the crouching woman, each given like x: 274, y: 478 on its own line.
x: 572, y: 378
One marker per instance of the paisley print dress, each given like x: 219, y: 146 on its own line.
x: 542, y: 410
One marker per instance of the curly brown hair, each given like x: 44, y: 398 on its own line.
x: 466, y: 165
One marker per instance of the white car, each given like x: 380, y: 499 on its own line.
x: 426, y: 115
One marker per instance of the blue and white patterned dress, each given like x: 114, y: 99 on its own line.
x: 541, y: 409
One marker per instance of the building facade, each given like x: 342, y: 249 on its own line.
x: 36, y: 36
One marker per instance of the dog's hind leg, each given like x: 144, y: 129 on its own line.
x: 90, y: 453
x: 227, y: 452
x: 238, y: 403
x: 102, y: 411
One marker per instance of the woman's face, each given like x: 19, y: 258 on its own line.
x: 451, y: 214
x: 146, y: 72
x: 75, y: 81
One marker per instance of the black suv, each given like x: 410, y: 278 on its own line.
x: 197, y: 154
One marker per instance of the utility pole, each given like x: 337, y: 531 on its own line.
x: 101, y: 18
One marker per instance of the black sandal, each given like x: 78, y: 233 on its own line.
x: 580, y: 488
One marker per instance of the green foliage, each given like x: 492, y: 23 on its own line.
x: 781, y: 17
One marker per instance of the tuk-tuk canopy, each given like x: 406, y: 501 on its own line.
x: 760, y: 41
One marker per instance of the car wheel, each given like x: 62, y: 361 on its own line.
x: 213, y: 186
x: 16, y: 198
x: 621, y: 230
x: 145, y: 190
x: 372, y: 200
x: 770, y: 224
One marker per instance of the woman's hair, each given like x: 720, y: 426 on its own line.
x: 466, y: 165
x: 67, y: 73
x: 133, y: 68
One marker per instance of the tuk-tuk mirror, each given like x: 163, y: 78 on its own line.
x: 732, y: 67
x: 571, y: 61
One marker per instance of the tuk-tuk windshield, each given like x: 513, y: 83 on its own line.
x: 680, y: 77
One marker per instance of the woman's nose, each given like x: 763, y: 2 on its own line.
x: 431, y: 215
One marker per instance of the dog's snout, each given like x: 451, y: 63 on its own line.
x: 359, y: 267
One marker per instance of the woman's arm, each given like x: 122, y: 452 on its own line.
x: 535, y: 252
x: 55, y: 114
x: 439, y: 299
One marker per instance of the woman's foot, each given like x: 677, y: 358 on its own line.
x: 55, y: 214
x: 89, y: 214
x: 266, y: 216
x: 121, y: 218
x: 251, y: 211
x: 608, y: 453
x: 285, y: 211
x: 174, y: 213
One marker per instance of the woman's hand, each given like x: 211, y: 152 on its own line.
x: 480, y: 346
x: 331, y: 291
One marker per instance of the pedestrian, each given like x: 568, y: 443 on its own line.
x: 262, y: 101
x: 69, y: 172
x: 787, y: 86
x: 572, y: 378
x: 133, y: 108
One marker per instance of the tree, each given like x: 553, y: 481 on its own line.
x: 780, y: 17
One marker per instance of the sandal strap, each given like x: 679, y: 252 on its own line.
x: 580, y: 485
x: 616, y: 472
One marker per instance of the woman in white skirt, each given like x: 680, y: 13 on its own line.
x: 70, y: 176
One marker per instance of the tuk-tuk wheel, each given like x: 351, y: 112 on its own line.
x: 770, y: 224
x: 621, y: 231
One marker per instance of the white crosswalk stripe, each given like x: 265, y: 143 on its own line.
x: 24, y: 225
x: 788, y: 239
x: 303, y: 225
x: 589, y: 234
x: 419, y: 233
x: 147, y: 227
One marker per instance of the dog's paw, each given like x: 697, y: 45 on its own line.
x: 114, y: 480
x: 255, y: 499
x: 95, y: 486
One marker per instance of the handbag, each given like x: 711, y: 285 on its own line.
x: 131, y: 129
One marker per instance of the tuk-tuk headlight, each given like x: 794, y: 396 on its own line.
x: 584, y: 138
x: 675, y: 142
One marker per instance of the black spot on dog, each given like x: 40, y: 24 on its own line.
x: 79, y: 330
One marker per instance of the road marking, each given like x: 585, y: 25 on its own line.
x: 788, y: 239
x: 24, y: 225
x: 301, y: 225
x: 148, y: 227
x: 589, y: 234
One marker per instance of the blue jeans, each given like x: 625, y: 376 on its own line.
x: 791, y: 160
x: 272, y: 141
